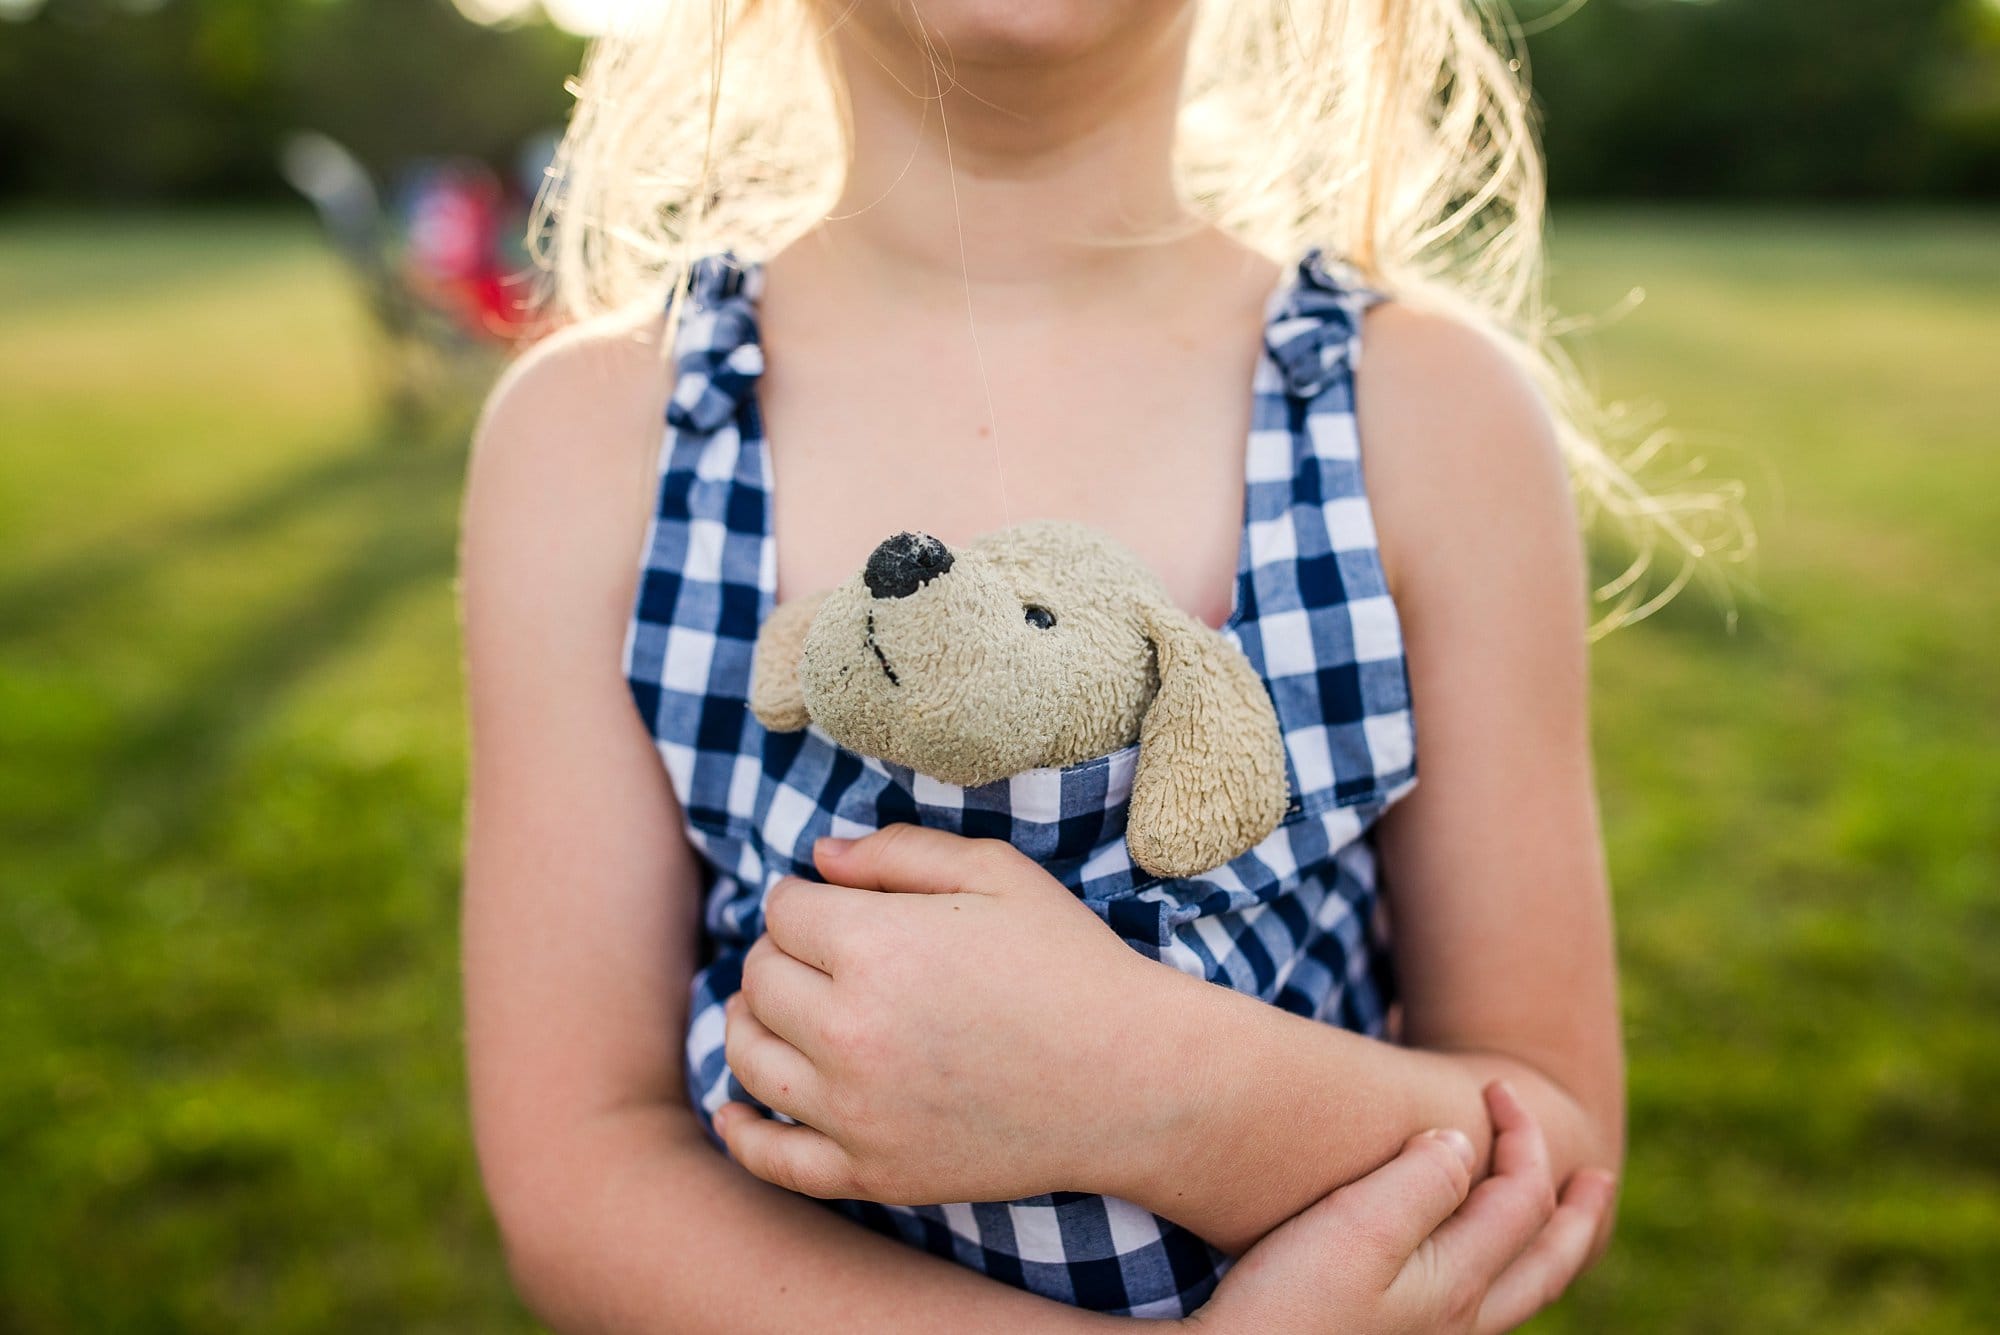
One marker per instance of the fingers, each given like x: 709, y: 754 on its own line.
x: 774, y: 1072
x: 811, y: 922
x: 1507, y: 1210
x: 796, y: 1158
x: 1518, y: 1146
x: 1539, y: 1275
x: 789, y: 998
x: 910, y: 859
x: 1405, y: 1200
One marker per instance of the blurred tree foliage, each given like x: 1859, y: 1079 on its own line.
x: 124, y: 99
x: 1776, y: 98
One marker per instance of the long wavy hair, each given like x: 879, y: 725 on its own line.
x: 1397, y: 134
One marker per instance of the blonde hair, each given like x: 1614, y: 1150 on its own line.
x: 1397, y: 134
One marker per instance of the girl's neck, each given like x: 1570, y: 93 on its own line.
x: 1031, y: 181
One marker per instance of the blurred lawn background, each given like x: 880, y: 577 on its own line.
x: 231, y: 749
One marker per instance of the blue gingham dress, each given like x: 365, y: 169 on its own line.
x: 1292, y: 921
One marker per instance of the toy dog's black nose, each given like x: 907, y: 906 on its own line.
x: 905, y: 563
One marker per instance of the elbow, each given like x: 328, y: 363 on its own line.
x: 537, y: 1245
x: 1583, y: 1119
x: 564, y: 1199
x: 546, y: 1188
x: 536, y: 1279
x: 551, y: 1281
x: 1583, y: 1111
x: 1613, y: 1160
x: 1591, y: 1137
x: 1602, y: 1138
x: 1606, y: 1228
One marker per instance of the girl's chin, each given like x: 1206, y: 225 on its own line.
x: 1013, y: 32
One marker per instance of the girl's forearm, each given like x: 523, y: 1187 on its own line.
x: 637, y: 1224
x: 1261, y: 1112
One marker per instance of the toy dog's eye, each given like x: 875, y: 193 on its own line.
x: 1039, y: 617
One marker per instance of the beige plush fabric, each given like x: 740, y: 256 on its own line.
x: 775, y: 697
x: 1044, y: 644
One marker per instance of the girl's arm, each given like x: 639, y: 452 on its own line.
x: 1493, y: 866
x: 1101, y: 1071
x: 579, y: 923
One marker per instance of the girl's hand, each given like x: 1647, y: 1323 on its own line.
x: 961, y: 1040
x: 1406, y: 1249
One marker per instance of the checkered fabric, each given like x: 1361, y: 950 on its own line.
x: 1292, y: 921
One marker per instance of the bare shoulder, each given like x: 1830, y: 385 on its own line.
x: 582, y: 391
x: 1459, y: 443
x: 565, y: 451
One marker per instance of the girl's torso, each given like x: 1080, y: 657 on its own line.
x: 1293, y: 921
x: 1122, y: 406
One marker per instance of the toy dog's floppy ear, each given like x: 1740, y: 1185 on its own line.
x: 1211, y: 777
x: 775, y: 697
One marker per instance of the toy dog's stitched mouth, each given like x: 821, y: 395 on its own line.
x: 880, y: 657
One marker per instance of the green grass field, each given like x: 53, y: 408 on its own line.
x: 230, y: 746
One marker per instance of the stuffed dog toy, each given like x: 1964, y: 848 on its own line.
x: 1040, y: 645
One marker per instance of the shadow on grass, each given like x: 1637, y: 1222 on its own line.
x: 396, y: 511
x: 50, y: 594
